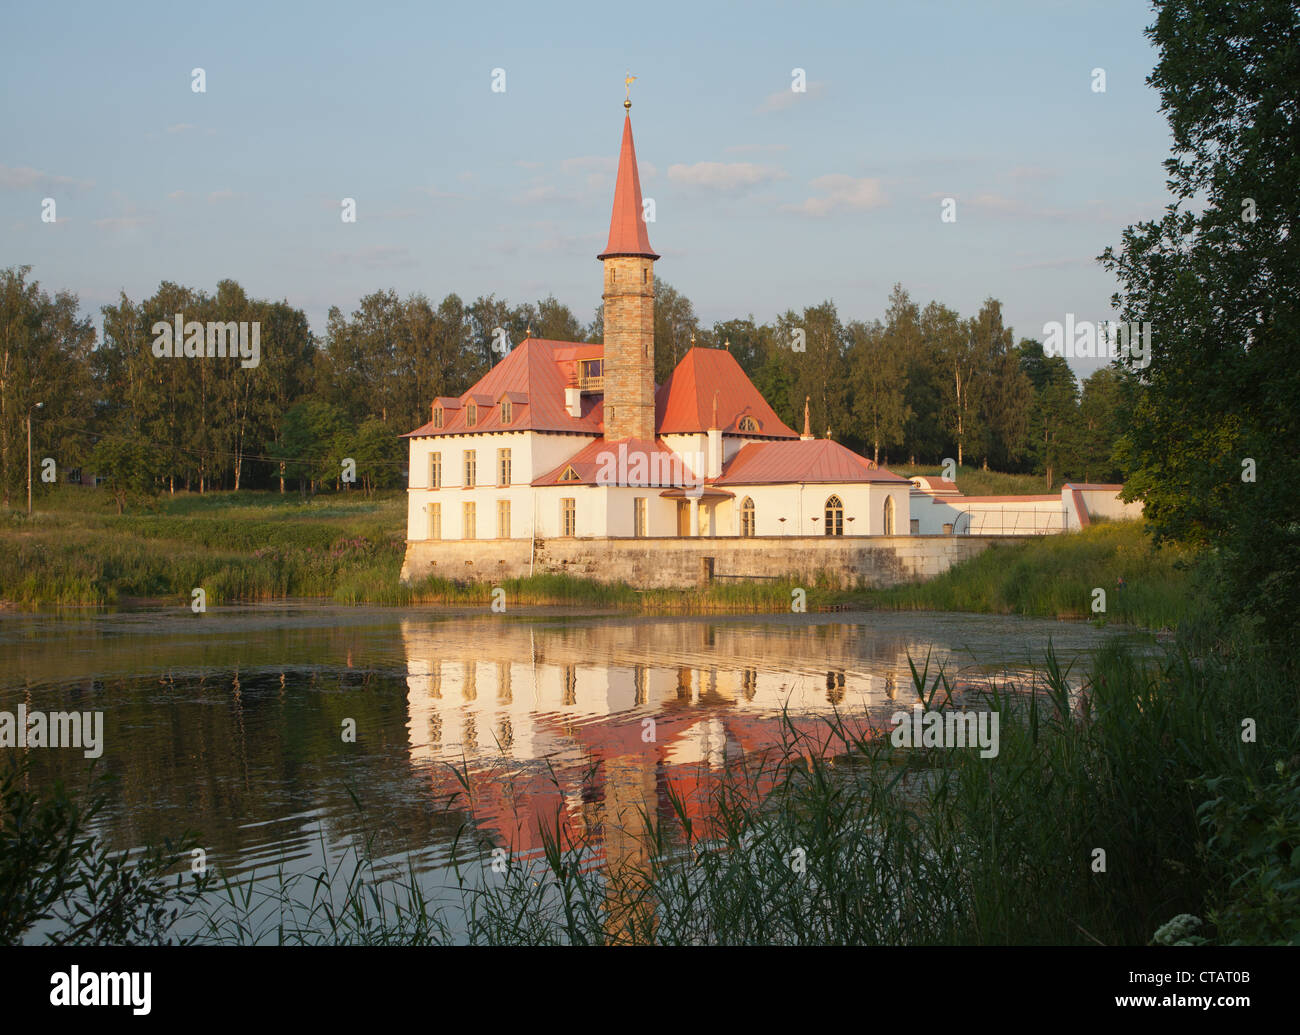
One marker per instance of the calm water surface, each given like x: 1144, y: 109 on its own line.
x: 229, y: 723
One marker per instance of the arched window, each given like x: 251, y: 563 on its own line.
x: 748, y: 424
x: 889, y: 515
x: 747, y: 517
x: 834, y: 516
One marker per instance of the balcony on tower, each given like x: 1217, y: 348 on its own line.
x: 591, y: 375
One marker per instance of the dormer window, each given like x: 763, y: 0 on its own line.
x: 471, y: 415
x: 569, y: 475
x: 748, y: 424
x: 507, y: 411
x: 437, y: 416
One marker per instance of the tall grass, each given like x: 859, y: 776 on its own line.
x: 1056, y: 576
x: 974, y: 481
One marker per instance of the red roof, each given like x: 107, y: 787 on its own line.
x: 627, y: 230
x: 630, y: 456
x: 685, y: 403
x: 808, y: 460
x: 533, y: 377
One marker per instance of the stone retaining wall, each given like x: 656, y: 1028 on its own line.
x: 683, y: 563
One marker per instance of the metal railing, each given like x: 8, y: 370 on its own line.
x: 1010, y: 521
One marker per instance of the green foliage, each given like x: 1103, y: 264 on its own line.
x: 55, y: 873
x: 1055, y: 575
x: 1218, y: 278
x: 1255, y: 825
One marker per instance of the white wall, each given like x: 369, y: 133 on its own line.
x: 532, y: 454
x: 800, y: 504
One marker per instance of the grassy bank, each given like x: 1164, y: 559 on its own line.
x: 246, y: 546
x: 974, y: 481
x: 349, y: 548
x: 1056, y: 576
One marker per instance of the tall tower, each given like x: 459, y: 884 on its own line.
x: 629, y: 298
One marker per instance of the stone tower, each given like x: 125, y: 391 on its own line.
x: 629, y: 298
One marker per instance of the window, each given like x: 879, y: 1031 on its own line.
x: 471, y: 468
x: 503, y: 467
x: 889, y: 515
x: 834, y: 516
x: 470, y: 520
x: 507, y: 412
x: 568, y: 517
x: 747, y: 517
x: 645, y: 275
x: 435, y: 470
x: 639, y: 517
x: 748, y: 424
x: 435, y: 520
x: 569, y: 475
x: 503, y: 519
x: 471, y: 415
x: 437, y: 416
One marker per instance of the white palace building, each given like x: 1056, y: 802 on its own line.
x: 574, y: 440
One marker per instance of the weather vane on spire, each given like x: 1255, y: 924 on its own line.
x: 627, y: 83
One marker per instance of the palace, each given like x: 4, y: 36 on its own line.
x: 564, y: 439
x: 566, y: 442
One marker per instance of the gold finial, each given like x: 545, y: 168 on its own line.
x: 727, y: 344
x: 692, y: 339
x: 529, y: 333
x: 627, y: 83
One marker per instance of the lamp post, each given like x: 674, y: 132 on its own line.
x: 36, y: 406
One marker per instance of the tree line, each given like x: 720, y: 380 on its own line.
x: 919, y: 386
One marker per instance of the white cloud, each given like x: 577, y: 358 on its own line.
x: 787, y: 98
x: 838, y: 191
x: 24, y: 177
x: 724, y: 176
x: 225, y: 194
x: 180, y: 127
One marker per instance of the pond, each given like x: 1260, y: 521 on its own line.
x: 285, y: 736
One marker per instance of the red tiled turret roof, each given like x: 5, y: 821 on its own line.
x: 685, y: 404
x: 627, y: 230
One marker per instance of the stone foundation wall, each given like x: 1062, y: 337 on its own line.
x: 680, y: 563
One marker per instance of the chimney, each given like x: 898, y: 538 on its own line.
x: 715, y: 444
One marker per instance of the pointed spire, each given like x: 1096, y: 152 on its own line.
x: 807, y: 428
x: 627, y: 229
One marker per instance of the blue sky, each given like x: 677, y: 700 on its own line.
x: 765, y: 199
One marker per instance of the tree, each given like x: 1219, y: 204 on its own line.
x: 1218, y: 280
x: 1053, y: 415
x: 675, y: 322
x: 45, y: 348
x: 129, y: 465
x: 878, y: 373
